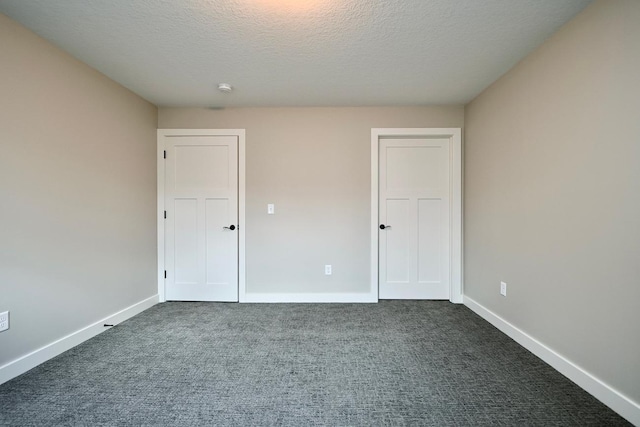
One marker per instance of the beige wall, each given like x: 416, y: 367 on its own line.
x: 552, y: 188
x: 314, y: 165
x: 77, y: 191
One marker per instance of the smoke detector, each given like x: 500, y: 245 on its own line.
x: 225, y: 87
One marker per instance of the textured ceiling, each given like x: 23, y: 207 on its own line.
x: 297, y: 52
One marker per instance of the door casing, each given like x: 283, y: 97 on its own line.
x: 168, y: 133
x: 455, y: 197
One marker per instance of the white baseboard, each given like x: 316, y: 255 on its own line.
x: 620, y: 403
x: 309, y: 298
x: 23, y: 364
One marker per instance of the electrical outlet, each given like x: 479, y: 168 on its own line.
x: 503, y: 289
x: 327, y: 270
x: 4, y: 321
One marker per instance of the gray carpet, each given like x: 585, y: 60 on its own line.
x: 392, y: 363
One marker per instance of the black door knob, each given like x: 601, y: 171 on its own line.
x: 382, y: 226
x: 232, y: 227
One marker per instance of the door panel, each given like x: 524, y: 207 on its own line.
x: 429, y: 240
x: 414, y: 261
x: 413, y: 168
x: 186, y: 241
x: 217, y: 253
x: 201, y: 167
x: 201, y: 191
x: 398, y: 243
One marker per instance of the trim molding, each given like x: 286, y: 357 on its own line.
x: 310, y: 298
x: 241, y: 134
x: 160, y: 214
x: 29, y: 361
x: 455, y: 193
x: 615, y: 400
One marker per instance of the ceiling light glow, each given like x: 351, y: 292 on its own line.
x: 294, y: 6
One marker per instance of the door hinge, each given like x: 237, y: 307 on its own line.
x: 165, y: 214
x: 165, y: 274
x: 165, y: 154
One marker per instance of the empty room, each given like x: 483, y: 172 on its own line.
x: 320, y: 212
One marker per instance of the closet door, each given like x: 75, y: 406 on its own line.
x: 201, y: 225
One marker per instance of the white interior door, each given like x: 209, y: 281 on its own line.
x: 201, y: 225
x: 414, y: 214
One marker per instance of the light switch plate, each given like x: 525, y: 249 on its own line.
x: 4, y: 321
x: 503, y: 289
x: 271, y: 209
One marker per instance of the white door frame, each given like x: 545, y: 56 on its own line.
x: 455, y: 193
x: 167, y: 133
